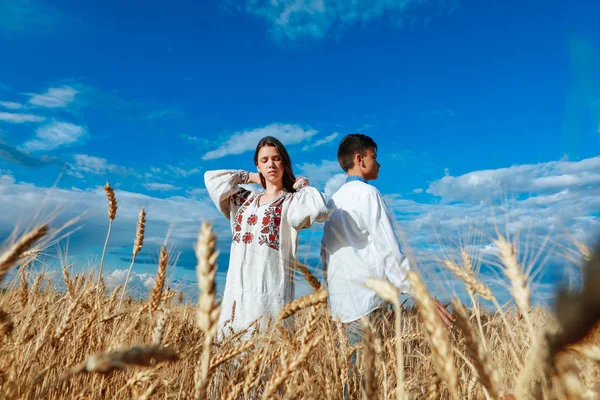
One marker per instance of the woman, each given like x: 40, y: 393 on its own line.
x: 265, y: 227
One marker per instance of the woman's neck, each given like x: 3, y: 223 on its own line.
x: 273, y: 188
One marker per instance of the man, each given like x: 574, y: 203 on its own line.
x: 359, y: 241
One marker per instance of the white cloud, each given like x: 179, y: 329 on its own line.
x: 418, y: 190
x: 140, y: 284
x: 432, y: 230
x: 19, y: 118
x: 316, y: 19
x: 333, y: 184
x: 197, y: 192
x: 523, y: 198
x: 198, y: 141
x: 23, y: 199
x: 241, y: 142
x: 526, y: 178
x: 11, y: 105
x: 183, y: 173
x: 98, y: 166
x: 320, y: 142
x: 318, y: 174
x: 54, y: 97
x: 162, y: 187
x: 55, y: 135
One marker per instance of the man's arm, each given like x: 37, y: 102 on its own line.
x: 379, y: 224
x: 395, y: 263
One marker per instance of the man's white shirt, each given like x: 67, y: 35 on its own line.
x: 359, y: 243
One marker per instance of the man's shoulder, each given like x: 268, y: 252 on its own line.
x: 357, y: 189
x: 354, y: 195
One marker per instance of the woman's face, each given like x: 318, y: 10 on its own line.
x: 270, y: 165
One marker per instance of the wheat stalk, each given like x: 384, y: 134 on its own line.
x: 369, y: 357
x: 283, y: 373
x: 485, y: 371
x: 391, y: 294
x: 6, y: 324
x: 112, y: 213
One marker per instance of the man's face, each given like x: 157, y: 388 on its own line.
x: 370, y: 166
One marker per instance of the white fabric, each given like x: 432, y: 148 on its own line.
x: 359, y: 243
x: 263, y: 249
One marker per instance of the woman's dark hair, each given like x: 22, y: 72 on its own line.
x: 288, y: 175
x: 352, y: 144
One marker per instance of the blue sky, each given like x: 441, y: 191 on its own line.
x: 480, y: 109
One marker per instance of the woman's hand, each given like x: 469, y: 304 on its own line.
x: 300, y: 183
x: 254, y: 177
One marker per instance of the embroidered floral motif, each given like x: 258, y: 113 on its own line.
x: 239, y: 218
x: 253, y: 219
x: 247, y: 237
x: 238, y: 199
x: 270, y: 225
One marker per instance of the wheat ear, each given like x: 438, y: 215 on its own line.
x: 208, y: 312
x: 11, y: 256
x: 312, y: 299
x: 159, y: 283
x: 519, y: 288
x: 137, y: 247
x: 443, y: 360
x: 24, y: 287
x: 143, y: 355
x: 310, y: 278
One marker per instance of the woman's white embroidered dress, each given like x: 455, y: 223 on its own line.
x: 260, y: 278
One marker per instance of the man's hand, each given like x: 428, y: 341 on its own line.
x: 444, y: 314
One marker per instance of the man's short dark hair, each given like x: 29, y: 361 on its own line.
x: 354, y: 143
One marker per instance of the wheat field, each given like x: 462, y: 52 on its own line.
x: 90, y: 343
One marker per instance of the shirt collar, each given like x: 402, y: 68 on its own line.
x: 355, y: 178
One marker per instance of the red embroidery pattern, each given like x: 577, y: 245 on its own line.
x: 252, y: 220
x: 270, y: 225
x: 247, y: 237
x: 244, y: 176
x: 238, y: 199
x: 239, y: 217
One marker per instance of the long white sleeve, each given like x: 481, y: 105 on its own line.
x: 379, y: 223
x: 307, y: 207
x: 224, y: 190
